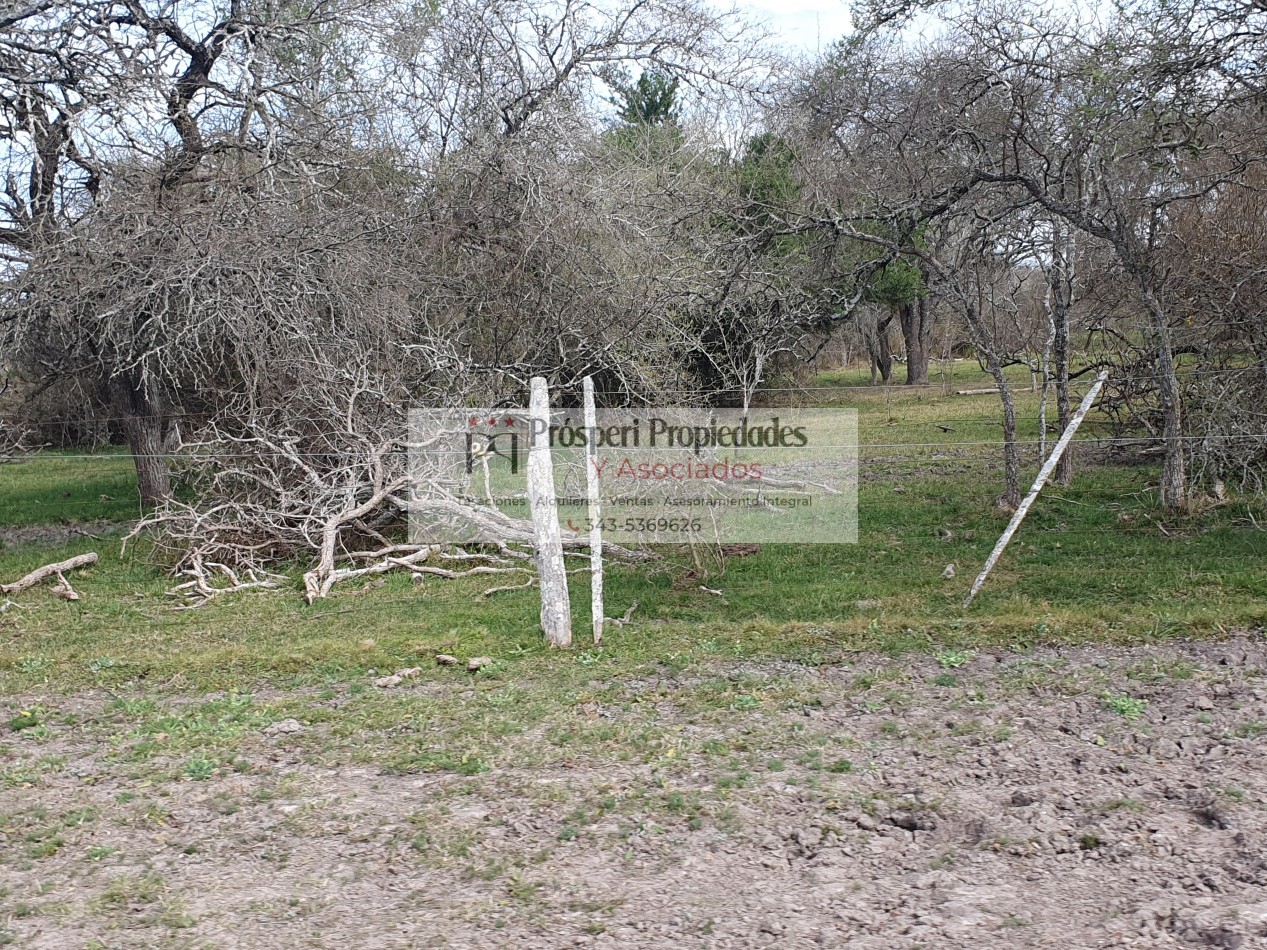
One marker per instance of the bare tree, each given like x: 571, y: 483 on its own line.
x: 1102, y: 149
x: 872, y: 119
x: 152, y: 142
x: 117, y: 118
x: 1110, y: 127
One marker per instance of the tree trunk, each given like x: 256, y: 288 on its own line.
x: 142, y: 422
x: 884, y: 350
x: 879, y: 350
x: 1061, y: 285
x: 1174, y: 475
x: 1060, y: 356
x: 556, y: 605
x: 917, y: 333
x: 1011, y: 496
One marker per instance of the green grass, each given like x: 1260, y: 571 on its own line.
x: 1077, y: 572
x: 1129, y: 708
x: 59, y: 487
x: 1096, y: 561
x: 953, y: 374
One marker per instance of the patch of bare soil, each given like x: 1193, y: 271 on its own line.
x: 1065, y: 798
x: 55, y: 534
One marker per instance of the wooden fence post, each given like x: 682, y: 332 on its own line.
x: 1044, y: 473
x: 595, y: 509
x: 556, y: 607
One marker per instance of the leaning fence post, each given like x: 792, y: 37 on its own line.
x: 595, y: 509
x: 556, y: 608
x: 1044, y: 473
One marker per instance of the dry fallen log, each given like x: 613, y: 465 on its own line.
x: 975, y: 392
x: 63, y: 588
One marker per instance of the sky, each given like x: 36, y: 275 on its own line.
x: 809, y: 25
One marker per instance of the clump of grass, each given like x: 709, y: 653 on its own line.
x: 1129, y: 708
x: 1090, y: 842
x: 200, y: 768
x: 129, y: 889
x: 953, y: 659
x: 28, y: 718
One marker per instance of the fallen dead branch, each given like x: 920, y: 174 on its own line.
x: 498, y: 528
x: 330, y: 490
x: 64, y: 590
x: 15, y: 442
x: 318, y: 584
x: 58, y: 569
x: 621, y: 621
x: 395, y: 679
x: 530, y: 582
x: 319, y: 581
x: 201, y: 590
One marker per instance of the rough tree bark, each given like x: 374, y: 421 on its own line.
x: 1060, y: 358
x: 917, y: 333
x: 881, y: 351
x: 1174, y: 474
x: 142, y: 421
x: 1011, y: 496
x: 50, y: 570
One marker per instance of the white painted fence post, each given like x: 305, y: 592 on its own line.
x: 556, y: 607
x: 1044, y: 473
x: 595, y: 509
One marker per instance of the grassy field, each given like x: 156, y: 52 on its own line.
x: 1095, y: 561
x: 166, y: 775
x: 57, y: 487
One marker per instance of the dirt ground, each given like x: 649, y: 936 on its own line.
x: 53, y: 534
x: 1071, y: 798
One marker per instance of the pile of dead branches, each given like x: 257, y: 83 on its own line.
x: 330, y: 491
